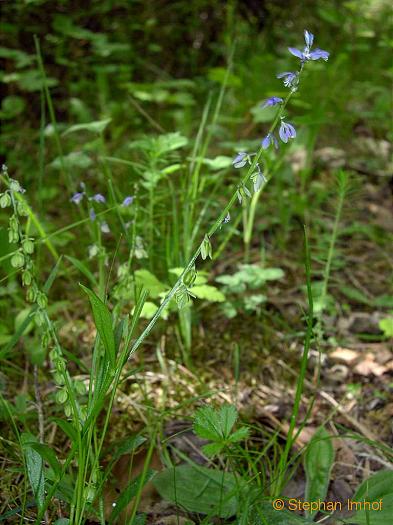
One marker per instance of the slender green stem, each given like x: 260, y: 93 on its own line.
x: 303, y: 369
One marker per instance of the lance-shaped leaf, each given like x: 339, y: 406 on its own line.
x: 103, y: 322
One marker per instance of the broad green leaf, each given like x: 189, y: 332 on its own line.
x: 170, y: 142
x: 378, y: 490
x: 148, y: 310
x: 146, y: 279
x: 264, y: 514
x: 215, y: 425
x: 318, y: 462
x: 98, y: 126
x: 35, y: 468
x: 103, y: 322
x: 47, y: 454
x: 199, y: 489
x: 386, y: 325
x: 379, y: 485
x: 209, y: 293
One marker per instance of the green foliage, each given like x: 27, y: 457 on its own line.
x: 103, y: 322
x: 199, y: 489
x: 35, y: 468
x: 216, y: 426
x: 248, y: 278
x: 318, y: 462
x: 377, y: 489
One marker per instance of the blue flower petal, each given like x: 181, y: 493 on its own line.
x: 319, y: 53
x: 308, y: 38
x: 296, y: 52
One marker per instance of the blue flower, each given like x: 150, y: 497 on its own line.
x: 240, y: 160
x: 289, y: 78
x: 77, y: 197
x: 269, y: 139
x: 128, y: 201
x: 92, y: 214
x: 272, y: 101
x: 98, y: 198
x: 287, y: 131
x: 307, y: 54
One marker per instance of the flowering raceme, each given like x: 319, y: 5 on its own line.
x: 286, y: 131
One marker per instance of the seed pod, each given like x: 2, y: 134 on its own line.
x: 17, y: 260
x: 39, y: 318
x: 13, y: 236
x: 22, y: 209
x: 61, y: 396
x: 58, y: 379
x: 42, y: 300
x: 5, y: 200
x: 31, y: 295
x: 28, y: 246
x: 26, y: 278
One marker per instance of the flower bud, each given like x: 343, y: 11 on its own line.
x: 17, y: 260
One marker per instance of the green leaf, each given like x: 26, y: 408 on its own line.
x: 240, y: 434
x: 386, y: 325
x: 148, y: 310
x: 103, y: 322
x: 146, y: 279
x: 199, y: 489
x: 98, y: 126
x: 318, y: 462
x: 47, y: 454
x: 209, y: 293
x: 215, y: 425
x: 378, y: 487
x: 35, y: 468
x: 375, y: 487
x: 170, y: 142
x: 264, y: 514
